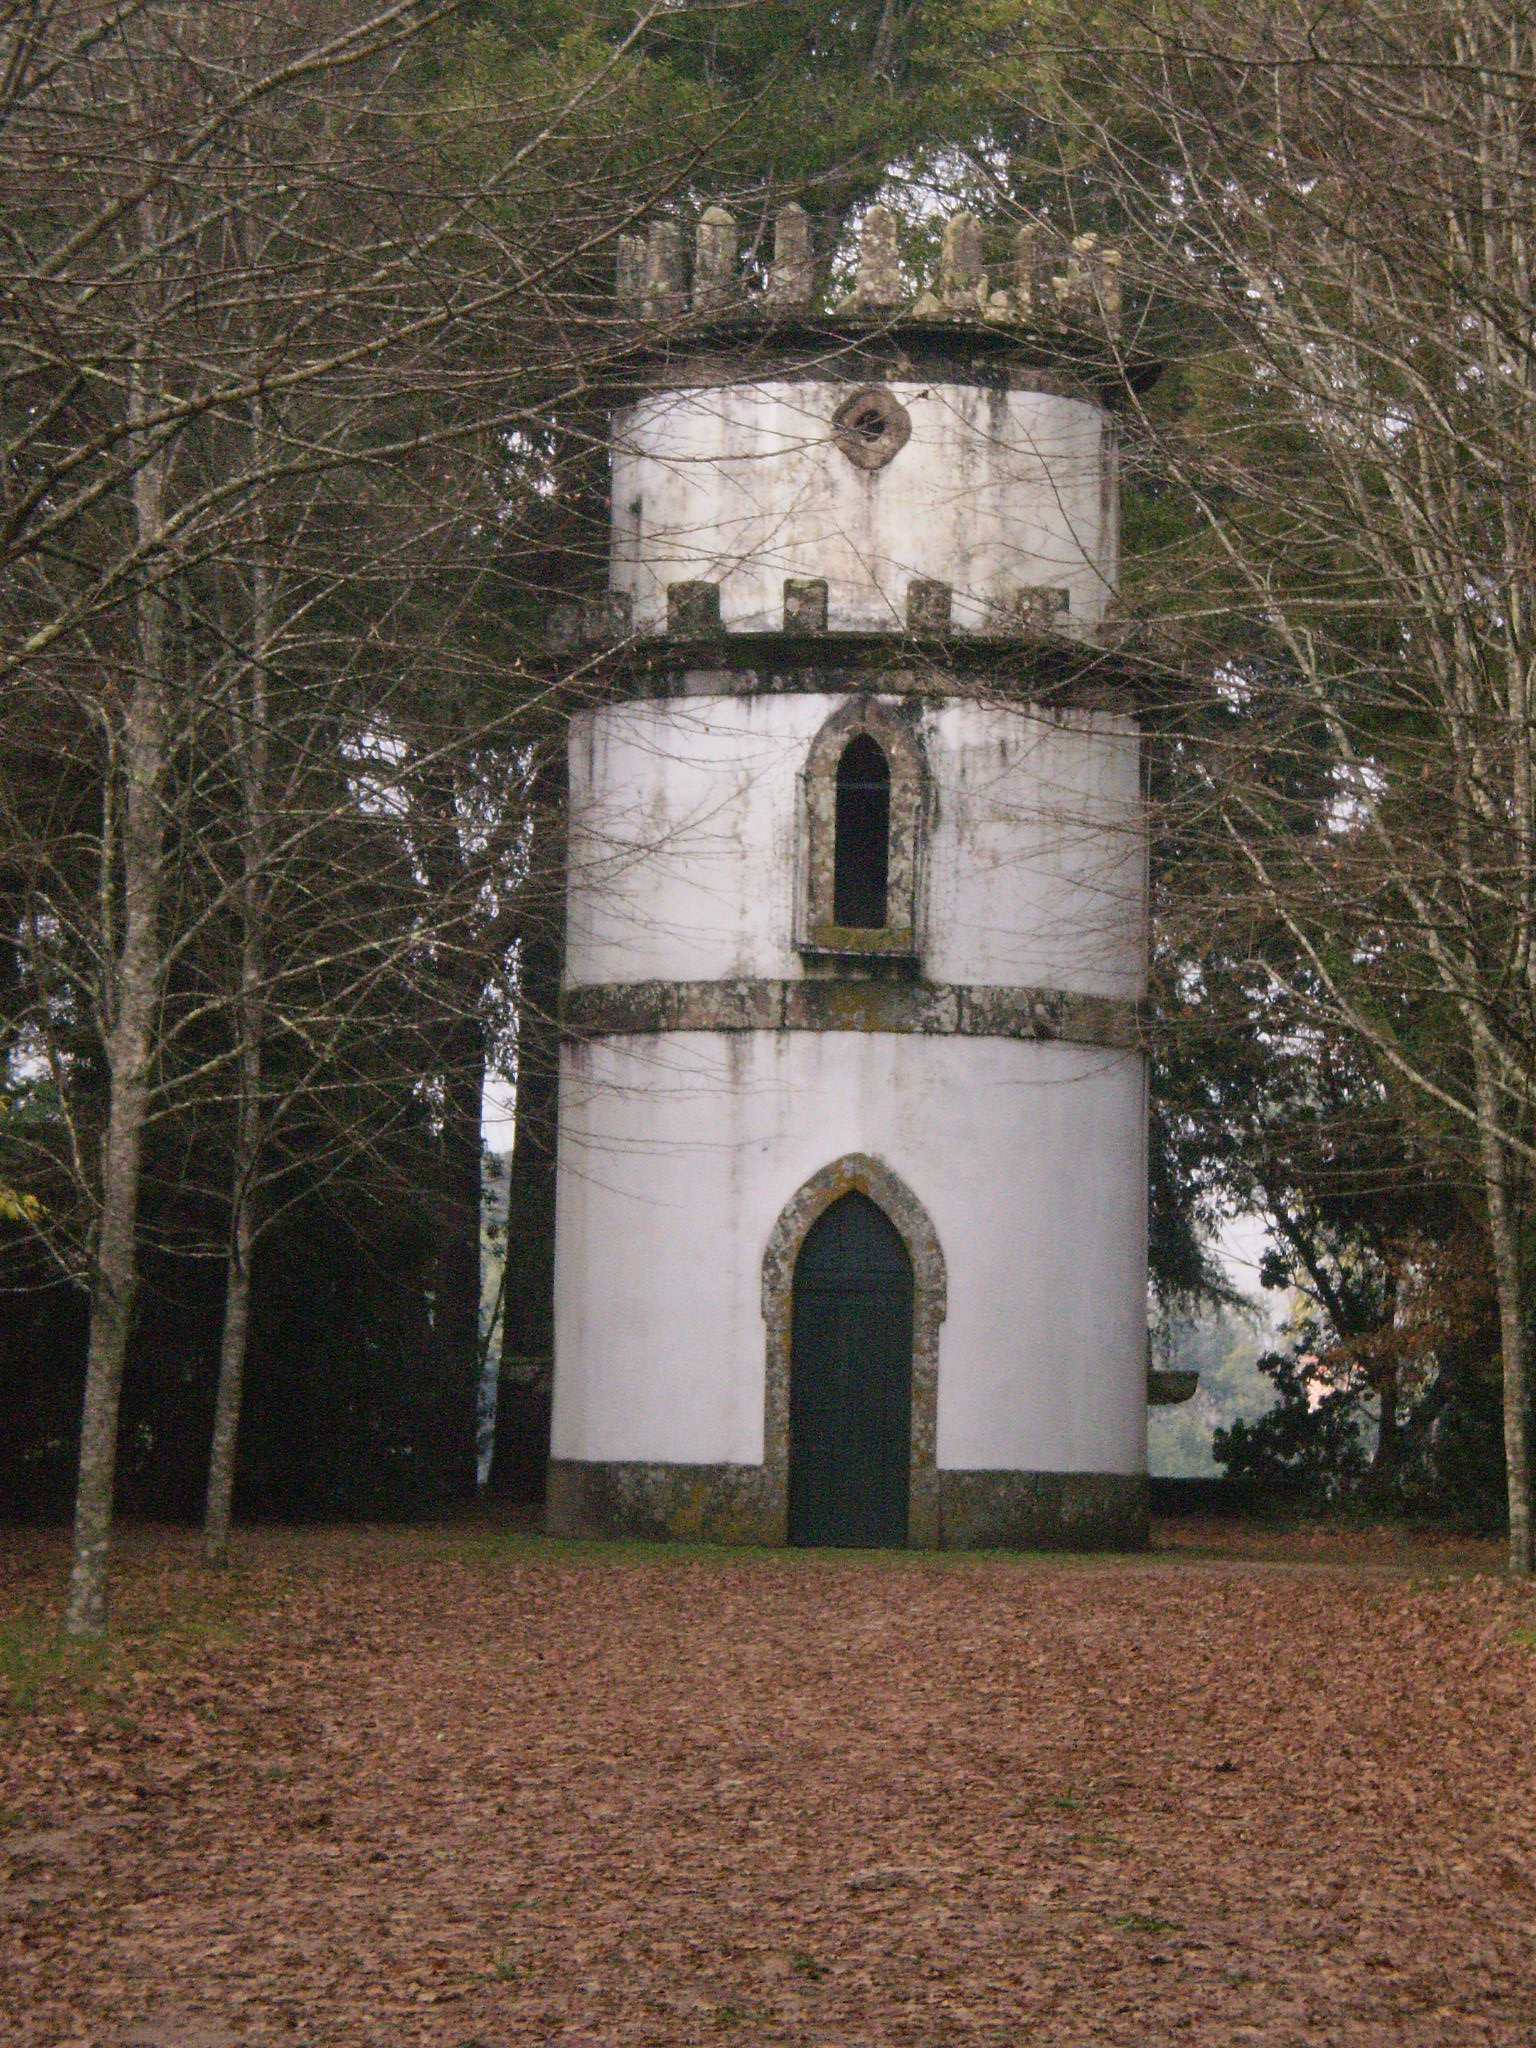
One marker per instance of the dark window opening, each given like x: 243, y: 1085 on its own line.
x: 861, y: 856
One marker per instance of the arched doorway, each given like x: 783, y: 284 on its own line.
x: 850, y: 1398
x: 888, y: 1194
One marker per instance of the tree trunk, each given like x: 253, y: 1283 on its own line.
x: 114, y: 1270
x: 252, y: 743
x: 134, y: 981
x: 528, y: 1331
x: 226, y: 1413
x: 458, y: 1254
x: 528, y: 1327
x: 458, y: 1052
x: 1504, y: 1236
x: 242, y: 1244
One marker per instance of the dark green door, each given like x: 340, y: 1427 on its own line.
x: 850, y: 1380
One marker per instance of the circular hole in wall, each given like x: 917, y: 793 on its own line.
x: 871, y: 427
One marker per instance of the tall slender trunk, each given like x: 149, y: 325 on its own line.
x: 531, y: 1192
x: 528, y: 1329
x: 232, y: 1347
x: 459, y: 1055
x: 134, y: 978
x: 1504, y: 1238
x: 252, y: 742
x: 458, y: 1253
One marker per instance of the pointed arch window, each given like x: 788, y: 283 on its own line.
x: 861, y: 823
x: 861, y: 847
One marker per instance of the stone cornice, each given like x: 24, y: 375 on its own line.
x: 1050, y: 673
x: 750, y: 351
x: 926, y: 1008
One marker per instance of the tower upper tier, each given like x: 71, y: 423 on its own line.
x: 944, y: 462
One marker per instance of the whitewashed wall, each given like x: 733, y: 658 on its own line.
x: 684, y: 824
x: 678, y: 1152
x: 744, y: 486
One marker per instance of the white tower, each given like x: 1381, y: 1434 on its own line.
x: 850, y: 1238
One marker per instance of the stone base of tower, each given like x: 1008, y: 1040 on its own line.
x: 664, y: 1503
x: 745, y: 1504
x: 1043, y: 1510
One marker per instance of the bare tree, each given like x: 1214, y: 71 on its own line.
x: 1334, y: 214
x: 282, y: 316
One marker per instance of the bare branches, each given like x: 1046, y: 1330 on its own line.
x: 1335, y: 212
x: 290, y: 319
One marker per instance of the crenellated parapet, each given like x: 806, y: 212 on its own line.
x: 1048, y: 283
x: 934, y: 464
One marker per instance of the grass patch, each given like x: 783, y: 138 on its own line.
x: 727, y: 2016
x: 36, y: 1665
x: 41, y: 1670
x: 471, y: 1543
x: 1144, y: 1923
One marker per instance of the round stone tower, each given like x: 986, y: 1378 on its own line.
x: 850, y: 1222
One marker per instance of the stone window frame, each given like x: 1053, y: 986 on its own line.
x: 893, y: 730
x: 871, y: 427
x: 862, y: 1173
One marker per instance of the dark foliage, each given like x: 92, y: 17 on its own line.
x: 351, y: 1411
x: 1314, y: 1445
x: 1309, y: 1441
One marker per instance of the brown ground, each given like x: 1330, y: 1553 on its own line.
x: 467, y: 1787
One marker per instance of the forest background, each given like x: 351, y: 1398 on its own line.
x: 308, y: 330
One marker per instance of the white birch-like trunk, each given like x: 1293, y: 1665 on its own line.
x: 1505, y: 1244
x: 135, y: 975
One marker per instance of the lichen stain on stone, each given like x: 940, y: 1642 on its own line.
x: 683, y: 1503
x: 850, y: 1008
x: 689, y: 1517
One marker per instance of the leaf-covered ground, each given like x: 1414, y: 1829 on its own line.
x: 399, y: 1787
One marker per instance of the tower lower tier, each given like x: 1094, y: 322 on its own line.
x: 698, y: 1173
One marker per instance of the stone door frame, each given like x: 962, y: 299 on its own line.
x: 862, y: 1173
